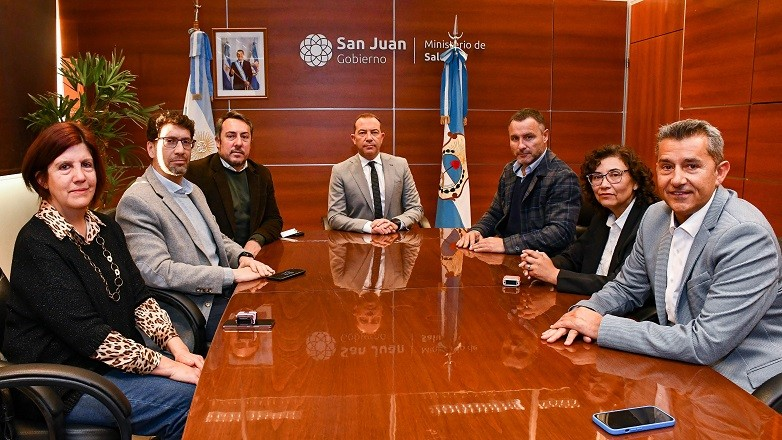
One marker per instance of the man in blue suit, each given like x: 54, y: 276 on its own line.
x: 712, y: 262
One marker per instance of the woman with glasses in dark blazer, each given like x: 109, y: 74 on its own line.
x: 620, y: 187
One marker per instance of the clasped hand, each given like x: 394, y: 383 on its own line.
x: 538, y: 265
x: 251, y: 269
x: 475, y: 242
x: 383, y: 226
x: 579, y: 321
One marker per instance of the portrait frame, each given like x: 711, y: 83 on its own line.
x: 248, y: 79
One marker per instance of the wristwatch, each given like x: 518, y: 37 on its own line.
x: 398, y: 224
x: 246, y: 254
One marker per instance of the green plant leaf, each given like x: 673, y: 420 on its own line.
x: 106, y: 102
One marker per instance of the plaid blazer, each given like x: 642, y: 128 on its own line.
x: 549, y: 209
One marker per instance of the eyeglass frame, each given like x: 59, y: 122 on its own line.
x: 167, y: 139
x: 590, y: 176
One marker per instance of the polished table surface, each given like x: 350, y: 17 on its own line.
x: 441, y: 351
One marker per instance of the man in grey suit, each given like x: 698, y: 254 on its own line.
x: 372, y: 192
x: 712, y: 262
x: 171, y: 233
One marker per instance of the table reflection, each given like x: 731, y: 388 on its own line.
x: 408, y: 337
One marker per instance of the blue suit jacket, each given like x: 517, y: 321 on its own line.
x: 730, y: 307
x: 550, y: 208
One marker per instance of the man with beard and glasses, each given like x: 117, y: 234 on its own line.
x: 171, y: 233
x: 239, y: 191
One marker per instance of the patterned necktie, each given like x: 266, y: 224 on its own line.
x: 375, y: 190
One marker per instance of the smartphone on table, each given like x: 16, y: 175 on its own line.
x: 624, y: 421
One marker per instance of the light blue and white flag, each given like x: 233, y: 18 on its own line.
x: 453, y: 203
x: 198, y: 97
x: 227, y: 83
x: 255, y: 62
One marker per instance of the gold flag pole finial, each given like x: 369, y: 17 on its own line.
x: 195, y: 27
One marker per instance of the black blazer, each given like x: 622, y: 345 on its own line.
x: 579, y: 261
x: 265, y: 220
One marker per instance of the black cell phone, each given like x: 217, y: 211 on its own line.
x: 285, y: 274
x: 624, y: 421
x: 261, y: 325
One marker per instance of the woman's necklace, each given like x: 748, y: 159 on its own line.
x: 117, y: 278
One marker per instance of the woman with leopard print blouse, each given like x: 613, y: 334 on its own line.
x: 78, y: 299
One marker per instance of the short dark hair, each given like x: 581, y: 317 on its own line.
x: 638, y: 170
x: 529, y: 113
x: 157, y: 122
x: 366, y: 116
x: 49, y: 145
x: 231, y: 114
x: 688, y: 128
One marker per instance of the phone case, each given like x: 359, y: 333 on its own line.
x: 629, y: 429
x: 285, y: 274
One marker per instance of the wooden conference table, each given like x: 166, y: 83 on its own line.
x: 441, y: 351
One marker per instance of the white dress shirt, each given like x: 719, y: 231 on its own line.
x: 616, y: 225
x: 681, y: 243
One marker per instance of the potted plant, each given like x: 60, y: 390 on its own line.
x: 105, y: 101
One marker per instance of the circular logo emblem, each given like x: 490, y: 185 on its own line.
x: 321, y: 346
x: 315, y: 50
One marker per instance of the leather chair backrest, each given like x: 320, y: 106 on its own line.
x: 19, y: 204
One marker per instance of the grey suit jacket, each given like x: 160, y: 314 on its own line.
x: 160, y: 239
x: 350, y: 198
x: 730, y: 306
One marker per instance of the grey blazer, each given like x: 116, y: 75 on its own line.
x: 730, y: 306
x: 160, y: 239
x: 350, y: 198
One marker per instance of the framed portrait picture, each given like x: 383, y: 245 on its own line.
x: 240, y: 63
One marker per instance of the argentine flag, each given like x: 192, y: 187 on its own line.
x: 198, y: 96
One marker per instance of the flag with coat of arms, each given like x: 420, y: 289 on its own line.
x: 453, y: 203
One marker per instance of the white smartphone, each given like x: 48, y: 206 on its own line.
x: 624, y: 421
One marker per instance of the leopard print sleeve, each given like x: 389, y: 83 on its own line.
x: 155, y: 322
x: 126, y: 354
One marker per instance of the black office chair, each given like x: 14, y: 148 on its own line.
x: 187, y: 318
x: 34, y: 382
x: 770, y: 393
x: 185, y: 315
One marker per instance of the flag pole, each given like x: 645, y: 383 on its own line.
x: 195, y: 27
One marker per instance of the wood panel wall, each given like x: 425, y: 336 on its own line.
x: 28, y: 54
x: 564, y: 57
x: 728, y: 56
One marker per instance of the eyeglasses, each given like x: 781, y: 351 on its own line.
x: 171, y: 142
x: 613, y: 176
